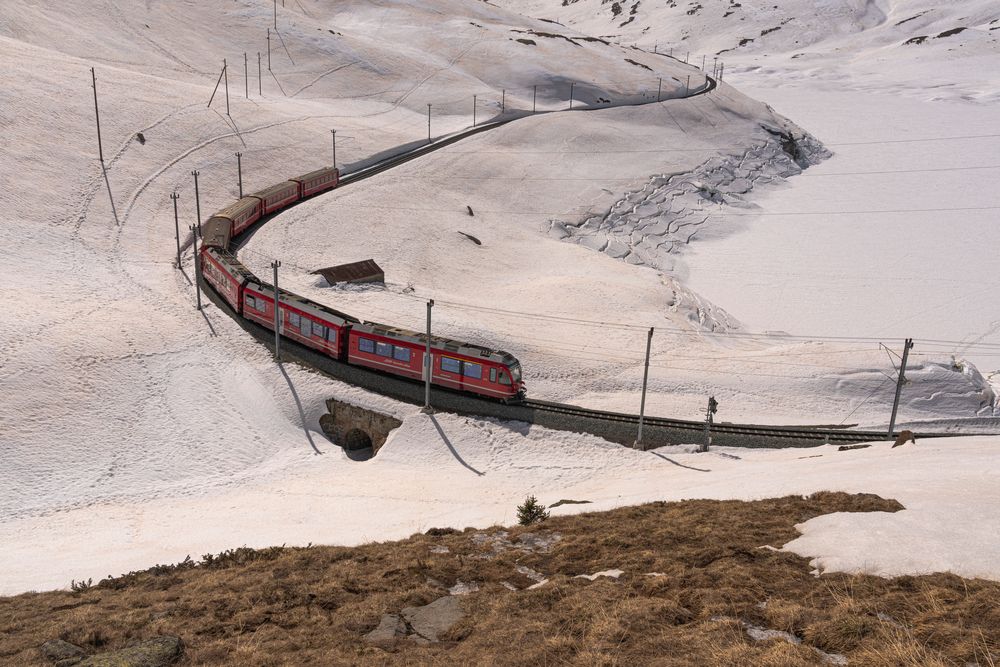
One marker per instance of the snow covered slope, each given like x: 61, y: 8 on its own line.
x: 121, y: 401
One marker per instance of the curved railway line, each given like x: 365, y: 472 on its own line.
x: 614, y: 426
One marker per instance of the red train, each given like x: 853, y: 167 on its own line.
x: 455, y: 365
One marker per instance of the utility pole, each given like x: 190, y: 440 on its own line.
x: 571, y: 84
x: 97, y: 114
x: 239, y: 171
x: 260, y: 85
x: 722, y: 66
x: 197, y: 198
x: 246, y: 75
x: 333, y: 133
x: 713, y: 406
x: 645, y: 378
x: 428, y: 123
x: 276, y: 15
x: 197, y: 271
x: 177, y: 228
x: 503, y: 101
x: 534, y: 96
x: 277, y: 312
x: 715, y: 65
x: 703, y: 63
x: 428, y: 366
x: 216, y: 89
x: 473, y: 111
x: 688, y: 55
x: 269, y: 48
x: 659, y: 87
x: 899, y: 384
x: 225, y: 75
x: 687, y: 86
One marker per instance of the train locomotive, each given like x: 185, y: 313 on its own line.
x: 455, y: 365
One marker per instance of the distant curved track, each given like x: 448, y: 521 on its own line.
x: 616, y: 427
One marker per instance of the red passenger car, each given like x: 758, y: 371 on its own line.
x: 300, y: 319
x: 317, y: 181
x: 277, y: 197
x: 226, y: 274
x: 455, y: 365
x: 240, y: 214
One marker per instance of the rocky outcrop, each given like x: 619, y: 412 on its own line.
x: 423, y: 625
x: 156, y: 652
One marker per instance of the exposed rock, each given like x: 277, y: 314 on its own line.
x: 155, y: 652
x: 389, y: 629
x: 432, y: 620
x: 63, y: 654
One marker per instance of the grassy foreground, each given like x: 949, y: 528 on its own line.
x: 717, y: 584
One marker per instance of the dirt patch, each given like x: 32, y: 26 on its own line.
x: 701, y: 583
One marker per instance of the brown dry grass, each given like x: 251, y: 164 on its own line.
x: 312, y: 606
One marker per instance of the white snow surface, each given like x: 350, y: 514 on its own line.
x: 134, y: 429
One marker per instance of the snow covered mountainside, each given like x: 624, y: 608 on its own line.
x: 132, y: 423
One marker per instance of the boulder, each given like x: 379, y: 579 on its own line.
x: 432, y: 620
x: 63, y: 654
x: 155, y: 652
x: 388, y: 631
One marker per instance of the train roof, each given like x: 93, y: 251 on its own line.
x: 237, y: 207
x: 314, y: 174
x: 447, y: 344
x: 276, y: 188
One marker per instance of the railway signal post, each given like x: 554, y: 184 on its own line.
x: 197, y: 272
x: 713, y: 407
x: 428, y: 366
x: 899, y: 384
x: 645, y: 378
x: 177, y: 229
x: 239, y: 172
x: 277, y: 314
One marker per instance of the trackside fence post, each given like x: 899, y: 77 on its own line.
x: 277, y: 314
x: 645, y: 379
x: 899, y: 384
x: 197, y: 268
x: 428, y: 363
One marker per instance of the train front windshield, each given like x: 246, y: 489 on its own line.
x: 515, y: 372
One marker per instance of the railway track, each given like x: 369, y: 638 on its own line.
x: 614, y: 426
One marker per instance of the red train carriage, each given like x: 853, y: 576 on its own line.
x: 240, y: 214
x: 317, y: 181
x: 226, y: 274
x: 277, y: 197
x: 455, y: 365
x: 300, y: 319
x: 313, y: 324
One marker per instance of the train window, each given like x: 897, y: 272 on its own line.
x: 366, y: 345
x: 451, y: 365
x: 383, y: 349
x: 493, y: 375
x: 504, y: 379
x: 331, y: 334
x: 401, y: 353
x: 251, y: 302
x: 472, y: 370
x: 318, y: 330
x: 295, y: 320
